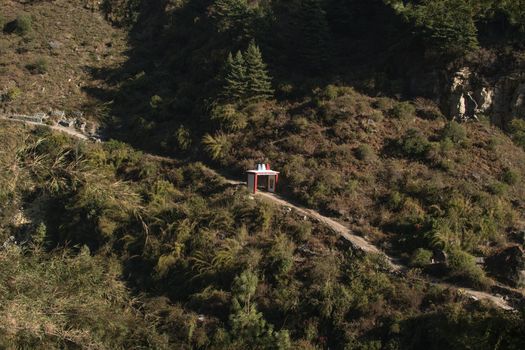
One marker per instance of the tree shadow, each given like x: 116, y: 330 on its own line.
x: 170, y: 80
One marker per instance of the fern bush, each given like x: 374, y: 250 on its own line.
x: 217, y: 146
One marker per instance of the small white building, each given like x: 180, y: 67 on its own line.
x: 262, y: 177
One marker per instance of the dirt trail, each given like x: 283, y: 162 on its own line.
x: 357, y: 242
x: 360, y: 243
x: 72, y: 132
x: 367, y: 247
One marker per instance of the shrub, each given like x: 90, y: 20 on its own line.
x: 331, y: 92
x: 497, y: 188
x: 23, y: 24
x: 280, y: 256
x: 446, y: 145
x: 183, y: 137
x: 12, y: 94
x: 286, y: 90
x: 301, y: 230
x: 421, y: 257
x: 300, y: 124
x: 403, y: 110
x: 510, y: 177
x: 428, y: 109
x: 217, y: 146
x: 383, y: 104
x: 517, y: 131
x: 493, y: 143
x: 454, y: 132
x: 463, y: 266
x: 364, y: 152
x: 229, y: 117
x: 395, y: 200
x: 40, y: 66
x: 414, y: 144
x: 155, y: 101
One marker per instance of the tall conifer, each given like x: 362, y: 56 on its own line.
x: 315, y: 34
x: 235, y: 77
x: 259, y: 83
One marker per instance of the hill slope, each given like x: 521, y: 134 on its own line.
x: 171, y: 256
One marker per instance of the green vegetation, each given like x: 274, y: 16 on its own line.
x: 23, y: 24
x: 2, y: 21
x: 235, y: 77
x: 41, y: 66
x: 464, y: 267
x: 364, y: 152
x: 12, y: 94
x: 238, y: 272
x: 511, y: 177
x: 421, y: 257
x: 517, y: 131
x: 168, y: 255
x: 404, y: 110
x: 414, y: 144
x: 455, y: 132
x: 246, y: 76
x: 59, y: 299
x: 447, y: 25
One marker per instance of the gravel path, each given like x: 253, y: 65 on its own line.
x: 70, y: 131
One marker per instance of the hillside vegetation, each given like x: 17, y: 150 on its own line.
x: 209, y: 265
x: 399, y: 172
x: 49, y: 51
x: 105, y: 246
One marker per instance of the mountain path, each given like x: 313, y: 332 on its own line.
x: 356, y: 241
x: 70, y: 131
x: 362, y: 244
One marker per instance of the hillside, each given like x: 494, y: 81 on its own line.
x: 209, y: 261
x: 49, y: 60
x: 399, y: 171
x: 399, y: 123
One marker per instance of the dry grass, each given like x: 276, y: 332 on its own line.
x: 73, y: 41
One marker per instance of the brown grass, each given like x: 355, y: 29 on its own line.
x: 83, y: 41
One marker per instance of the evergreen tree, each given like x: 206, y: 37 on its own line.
x: 234, y: 16
x: 447, y: 25
x: 235, y: 77
x: 314, y: 28
x: 341, y: 14
x: 258, y: 81
x: 247, y: 323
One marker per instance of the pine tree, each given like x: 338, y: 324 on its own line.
x: 447, y: 25
x: 234, y: 16
x: 258, y: 81
x: 235, y: 77
x: 315, y: 35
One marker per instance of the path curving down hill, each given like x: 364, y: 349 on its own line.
x: 356, y: 241
x: 362, y: 244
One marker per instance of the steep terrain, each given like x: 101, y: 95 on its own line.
x: 52, y: 62
x: 396, y: 127
x: 234, y: 268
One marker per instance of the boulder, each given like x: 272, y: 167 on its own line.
x: 57, y: 113
x: 508, y: 265
x: 54, y: 45
x: 485, y: 99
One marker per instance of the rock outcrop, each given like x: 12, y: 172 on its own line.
x: 470, y: 95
